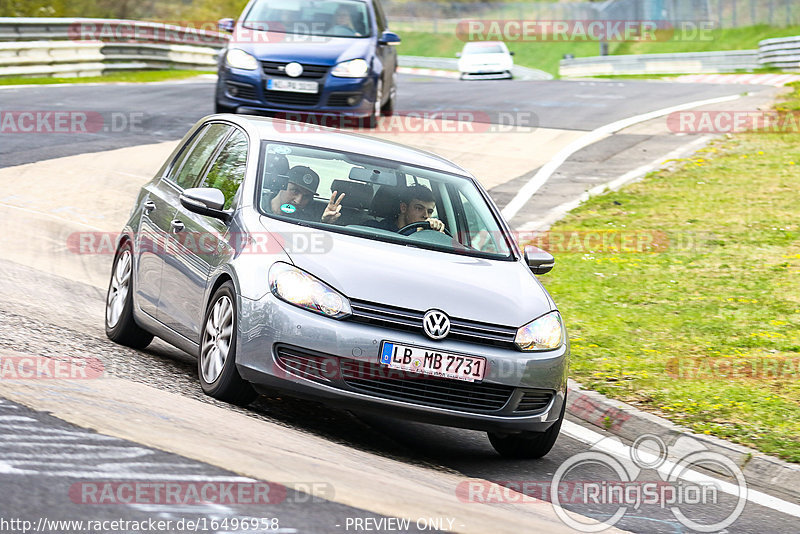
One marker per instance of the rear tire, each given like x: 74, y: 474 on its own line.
x: 216, y: 362
x: 121, y: 327
x: 528, y: 445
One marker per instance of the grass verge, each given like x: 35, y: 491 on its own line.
x: 139, y: 76
x: 702, y: 327
x: 546, y: 56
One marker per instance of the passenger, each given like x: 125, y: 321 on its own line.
x: 300, y: 190
x: 416, y: 205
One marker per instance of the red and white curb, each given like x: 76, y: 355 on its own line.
x: 776, y: 80
x: 428, y: 72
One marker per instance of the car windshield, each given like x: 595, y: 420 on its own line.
x: 337, y: 18
x: 482, y: 48
x: 383, y: 200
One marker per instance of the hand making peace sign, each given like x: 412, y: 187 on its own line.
x: 334, y: 209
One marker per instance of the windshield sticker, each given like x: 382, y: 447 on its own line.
x: 278, y: 149
x: 288, y: 208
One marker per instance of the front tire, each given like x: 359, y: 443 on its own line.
x: 120, y: 324
x: 216, y: 363
x: 219, y: 108
x: 387, y: 110
x: 528, y: 445
x: 374, y: 117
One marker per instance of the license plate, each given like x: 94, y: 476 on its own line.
x: 432, y: 362
x: 293, y: 86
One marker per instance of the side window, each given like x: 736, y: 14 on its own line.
x: 227, y: 172
x: 191, y: 165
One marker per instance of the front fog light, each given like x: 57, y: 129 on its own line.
x: 545, y: 333
x: 299, y: 288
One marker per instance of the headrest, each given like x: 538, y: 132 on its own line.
x: 386, y: 202
x: 357, y: 195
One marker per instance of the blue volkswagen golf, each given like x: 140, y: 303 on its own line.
x: 329, y: 57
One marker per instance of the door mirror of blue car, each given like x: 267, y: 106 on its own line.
x: 205, y: 201
x: 226, y: 25
x: 389, y: 38
x: 539, y: 261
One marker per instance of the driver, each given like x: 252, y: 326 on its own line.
x: 416, y: 205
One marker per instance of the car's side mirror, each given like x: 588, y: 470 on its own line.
x: 226, y: 25
x: 539, y: 261
x: 205, y: 201
x: 389, y: 38
x: 511, y: 52
x: 458, y: 54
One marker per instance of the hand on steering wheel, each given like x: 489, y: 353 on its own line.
x: 424, y: 225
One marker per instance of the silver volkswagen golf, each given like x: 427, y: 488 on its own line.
x: 345, y: 269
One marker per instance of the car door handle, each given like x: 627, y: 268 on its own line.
x: 149, y: 206
x: 177, y: 226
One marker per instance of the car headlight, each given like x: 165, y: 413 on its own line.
x: 297, y: 287
x: 239, y: 59
x: 545, y: 333
x: 355, y: 68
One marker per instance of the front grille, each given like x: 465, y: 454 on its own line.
x: 339, y: 100
x: 534, y: 401
x: 437, y: 392
x: 241, y: 90
x: 312, y: 72
x: 306, y: 364
x: 411, y: 321
x: 293, y: 99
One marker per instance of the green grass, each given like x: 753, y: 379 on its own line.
x: 546, y: 56
x: 720, y: 288
x: 139, y: 76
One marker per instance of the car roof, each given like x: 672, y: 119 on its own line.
x: 280, y: 130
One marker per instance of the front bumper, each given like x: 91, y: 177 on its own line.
x: 246, y: 92
x: 268, y: 328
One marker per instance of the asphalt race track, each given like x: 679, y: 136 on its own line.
x: 42, y: 458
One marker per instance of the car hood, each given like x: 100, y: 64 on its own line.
x: 491, y: 291
x: 275, y: 46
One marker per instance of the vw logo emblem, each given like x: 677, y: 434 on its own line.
x: 294, y: 69
x: 436, y: 324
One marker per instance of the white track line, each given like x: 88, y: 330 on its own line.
x: 540, y: 178
x: 561, y: 210
x: 621, y: 450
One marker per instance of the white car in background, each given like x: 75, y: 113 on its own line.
x: 485, y: 59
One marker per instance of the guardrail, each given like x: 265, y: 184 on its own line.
x: 109, y: 30
x: 93, y: 58
x: 685, y: 63
x: 782, y: 53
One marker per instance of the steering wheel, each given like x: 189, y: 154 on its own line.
x: 413, y: 227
